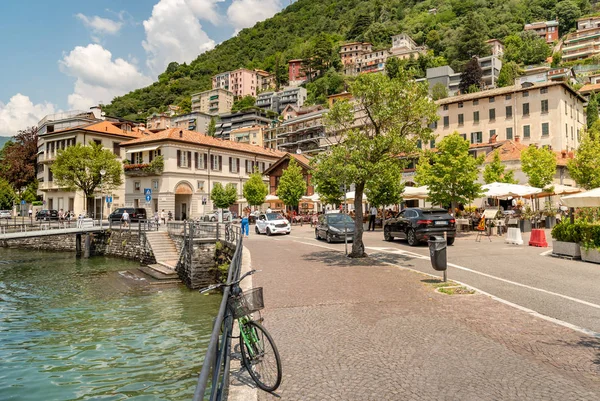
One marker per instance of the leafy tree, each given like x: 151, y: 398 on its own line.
x: 223, y: 197
x: 567, y: 12
x: 526, y: 47
x: 185, y: 106
x: 392, y: 67
x: 292, y: 185
x: 495, y: 171
x: 385, y: 188
x: 450, y: 173
x: 539, y: 164
x: 19, y: 160
x: 212, y: 127
x: 509, y: 72
x: 243, y: 103
x: 30, y: 194
x: 7, y: 195
x: 329, y: 185
x: 439, y: 91
x: 472, y: 75
x: 472, y: 37
x: 394, y: 114
x: 329, y: 84
x: 280, y: 71
x: 78, y: 168
x: 255, y: 189
x: 585, y: 167
x: 360, y: 25
x: 592, y: 110
x: 556, y: 59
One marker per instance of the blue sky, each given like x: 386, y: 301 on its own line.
x: 68, y: 54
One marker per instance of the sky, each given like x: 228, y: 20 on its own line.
x: 71, y: 54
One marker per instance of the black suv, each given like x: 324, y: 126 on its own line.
x: 416, y: 225
x: 46, y: 214
x: 135, y: 214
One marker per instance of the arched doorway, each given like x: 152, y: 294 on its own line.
x: 183, y: 200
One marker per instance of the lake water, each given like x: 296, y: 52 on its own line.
x: 75, y: 329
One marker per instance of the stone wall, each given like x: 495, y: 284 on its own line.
x: 202, y: 271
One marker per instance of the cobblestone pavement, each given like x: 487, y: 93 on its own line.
x: 364, y: 330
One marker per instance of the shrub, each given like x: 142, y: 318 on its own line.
x: 579, y: 232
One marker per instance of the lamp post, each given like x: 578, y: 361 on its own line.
x: 102, y: 173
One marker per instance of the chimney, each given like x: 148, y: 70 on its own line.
x: 571, y: 154
x: 493, y: 138
x: 563, y: 154
x: 517, y: 138
x: 181, y: 133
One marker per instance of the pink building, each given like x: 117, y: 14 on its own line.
x: 295, y: 71
x: 241, y: 82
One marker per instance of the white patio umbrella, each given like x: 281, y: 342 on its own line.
x: 350, y: 196
x: 271, y: 198
x: 312, y: 198
x: 503, y: 190
x: 415, y: 193
x: 558, y: 190
x: 590, y: 198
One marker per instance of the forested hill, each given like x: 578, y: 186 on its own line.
x: 453, y: 29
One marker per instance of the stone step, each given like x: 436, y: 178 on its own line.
x: 164, y: 248
x: 169, y: 265
x: 159, y: 272
x: 165, y: 252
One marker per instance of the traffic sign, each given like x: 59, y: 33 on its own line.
x: 109, y: 199
x: 148, y: 198
x: 147, y: 191
x: 22, y: 202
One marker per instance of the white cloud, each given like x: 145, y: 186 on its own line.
x: 99, y: 25
x: 20, y: 113
x: 99, y: 77
x: 245, y: 13
x: 206, y: 9
x: 173, y: 32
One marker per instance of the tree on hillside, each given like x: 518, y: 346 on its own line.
x: 78, y: 168
x: 359, y: 27
x: 567, y: 12
x: 495, y: 171
x: 450, y: 173
x: 539, y: 164
x: 243, y: 103
x: 281, y: 72
x: 508, y: 73
x: 292, y: 185
x: 223, y: 197
x: 329, y: 84
x: 393, y: 114
x: 471, y: 76
x: 592, y: 111
x: 7, y: 195
x: 255, y: 189
x: 439, y: 91
x: 585, y: 167
x: 556, y: 59
x: 19, y: 160
x: 185, y: 106
x: 212, y: 127
x: 472, y: 36
x: 392, y: 67
x: 526, y: 47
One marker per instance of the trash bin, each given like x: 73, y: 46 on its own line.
x: 437, y: 253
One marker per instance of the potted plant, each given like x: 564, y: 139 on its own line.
x: 566, y: 238
x: 549, y: 215
x: 590, y: 245
x: 526, y: 215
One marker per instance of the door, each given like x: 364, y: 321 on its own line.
x: 398, y: 228
x: 184, y: 211
x: 261, y: 223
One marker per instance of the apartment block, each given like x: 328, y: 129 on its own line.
x: 547, y: 30
x: 278, y: 101
x: 496, y: 46
x: 158, y: 122
x: 583, y: 43
x: 251, y: 135
x: 546, y: 114
x: 194, y: 121
x: 253, y: 117
x: 305, y: 133
x: 265, y: 80
x: 404, y: 47
x: 445, y: 75
x: 213, y: 102
x: 240, y: 82
x: 351, y: 55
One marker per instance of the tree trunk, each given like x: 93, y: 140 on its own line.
x: 358, y: 247
x: 89, y: 202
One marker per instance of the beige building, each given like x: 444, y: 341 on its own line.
x: 213, y: 102
x: 583, y: 43
x: 545, y: 114
x: 158, y: 121
x: 251, y: 135
x: 109, y: 134
x: 193, y: 163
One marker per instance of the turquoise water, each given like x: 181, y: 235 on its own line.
x: 76, y: 329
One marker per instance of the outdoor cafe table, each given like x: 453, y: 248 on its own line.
x: 462, y: 223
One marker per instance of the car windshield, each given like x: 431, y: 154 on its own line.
x: 274, y: 216
x: 435, y: 213
x: 339, y: 219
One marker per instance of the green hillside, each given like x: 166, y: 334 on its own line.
x: 452, y: 29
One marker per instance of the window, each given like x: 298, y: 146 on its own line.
x: 492, y: 114
x: 460, y: 105
x: 526, y: 132
x: 492, y: 133
x: 200, y: 185
x: 508, y: 111
x: 526, y: 94
x: 97, y: 141
x: 446, y: 121
x: 461, y: 119
x: 507, y: 97
x: 432, y: 144
x: 476, y: 137
x: 234, y: 165
x: 543, y: 90
x: 566, y: 109
x: 153, y: 154
x: 433, y: 125
x: 137, y: 185
x: 572, y: 135
x: 492, y: 99
x: 464, y: 136
x: 544, y: 106
x: 475, y: 102
x: 475, y: 116
x: 419, y: 144
x: 155, y: 184
x: 137, y: 158
x: 216, y: 162
x: 116, y: 148
x: 509, y: 133
x: 184, y: 159
x: 545, y: 129
x: 567, y: 131
x: 525, y: 109
x: 445, y: 107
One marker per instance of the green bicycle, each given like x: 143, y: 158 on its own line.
x: 259, y: 353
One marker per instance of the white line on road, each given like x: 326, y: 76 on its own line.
x: 546, y: 253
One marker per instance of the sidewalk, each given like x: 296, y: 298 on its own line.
x: 365, y: 330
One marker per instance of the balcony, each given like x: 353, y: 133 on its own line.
x: 155, y: 167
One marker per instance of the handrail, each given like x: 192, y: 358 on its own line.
x: 218, y: 354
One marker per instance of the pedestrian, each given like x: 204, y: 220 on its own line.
x: 269, y: 210
x: 372, y: 215
x: 125, y: 218
x: 245, y: 225
x: 30, y: 213
x: 163, y: 217
x: 61, y: 217
x: 156, y: 219
x: 170, y: 215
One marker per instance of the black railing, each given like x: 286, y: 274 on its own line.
x: 215, y: 368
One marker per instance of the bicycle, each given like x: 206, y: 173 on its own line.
x: 259, y: 353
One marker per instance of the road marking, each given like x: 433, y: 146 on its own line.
x: 319, y: 245
x: 546, y: 253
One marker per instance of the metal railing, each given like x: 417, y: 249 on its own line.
x: 215, y: 368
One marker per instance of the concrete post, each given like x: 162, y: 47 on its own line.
x: 78, y: 245
x: 88, y: 246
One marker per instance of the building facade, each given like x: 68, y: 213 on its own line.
x: 194, y: 121
x: 265, y: 79
x: 241, y: 82
x: 193, y: 163
x: 305, y: 133
x: 213, y: 102
x: 158, y: 121
x: 249, y: 135
x: 253, y: 117
x: 496, y: 46
x: 546, y: 114
x: 547, y: 30
x: 275, y: 171
x: 583, y: 43
x: 404, y: 47
x: 278, y: 101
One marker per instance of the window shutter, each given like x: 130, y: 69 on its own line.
x: 238, y: 165
x: 196, y: 160
x: 262, y: 167
x: 178, y: 158
x: 212, y: 162
x: 247, y: 169
x: 205, y: 160
x: 220, y: 163
x: 189, y: 160
x: 230, y: 166
x: 150, y: 156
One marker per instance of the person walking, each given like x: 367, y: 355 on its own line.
x: 245, y: 225
x: 163, y: 217
x: 372, y: 215
x: 125, y: 218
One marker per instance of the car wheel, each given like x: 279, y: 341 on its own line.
x: 450, y: 240
x: 412, y: 238
x: 329, y: 239
x: 317, y: 234
x: 288, y: 233
x: 269, y: 232
x: 212, y: 219
x: 387, y: 234
x: 256, y: 230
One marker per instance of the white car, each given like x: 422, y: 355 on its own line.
x: 5, y: 214
x: 272, y: 223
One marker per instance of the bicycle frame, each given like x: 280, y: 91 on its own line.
x: 249, y: 336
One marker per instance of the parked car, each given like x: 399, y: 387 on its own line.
x: 335, y: 227
x: 46, y: 214
x: 135, y: 214
x: 5, y: 214
x: 417, y: 224
x: 272, y: 223
x: 214, y: 215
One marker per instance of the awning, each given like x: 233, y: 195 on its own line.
x: 145, y: 149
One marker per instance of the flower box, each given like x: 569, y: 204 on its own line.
x: 590, y: 255
x: 571, y: 249
x: 525, y: 226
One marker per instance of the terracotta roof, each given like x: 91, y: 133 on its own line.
x: 103, y: 127
x: 197, y: 138
x: 509, y: 151
x: 587, y: 88
x: 301, y: 159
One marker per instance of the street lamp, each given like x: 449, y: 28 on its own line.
x: 102, y: 173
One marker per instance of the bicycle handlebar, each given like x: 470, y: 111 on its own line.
x: 215, y: 286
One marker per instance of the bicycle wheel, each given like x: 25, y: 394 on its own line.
x: 260, y: 356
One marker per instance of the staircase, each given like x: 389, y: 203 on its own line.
x: 165, y: 253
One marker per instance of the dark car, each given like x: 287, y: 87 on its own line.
x: 331, y: 227
x: 416, y: 225
x: 46, y: 214
x: 135, y: 214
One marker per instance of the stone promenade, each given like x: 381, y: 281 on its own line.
x: 367, y: 330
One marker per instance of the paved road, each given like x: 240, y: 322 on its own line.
x: 369, y: 330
